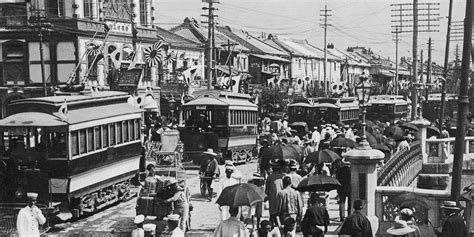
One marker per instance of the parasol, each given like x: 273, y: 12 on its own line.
x: 325, y: 156
x: 318, y: 183
x: 395, y: 132
x: 243, y: 194
x: 342, y: 142
x: 409, y: 126
x: 281, y: 151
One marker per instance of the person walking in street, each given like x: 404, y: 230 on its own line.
x: 232, y: 226
x: 179, y: 200
x: 406, y: 214
x: 295, y: 178
x: 30, y: 218
x: 289, y: 227
x: 266, y: 230
x: 316, y: 219
x: 209, y: 170
x: 315, y: 138
x: 173, y: 226
x: 273, y: 185
x: 454, y: 224
x: 357, y: 224
x: 289, y: 202
x: 228, y: 180
x: 139, y: 231
x: 400, y: 228
x: 263, y: 166
x: 343, y: 175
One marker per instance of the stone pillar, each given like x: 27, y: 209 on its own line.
x: 148, y: 12
x: 95, y: 9
x: 136, y: 11
x: 364, y: 162
x: 422, y: 124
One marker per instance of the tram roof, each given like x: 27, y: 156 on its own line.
x: 301, y: 104
x: 32, y: 119
x: 221, y: 101
x: 75, y: 99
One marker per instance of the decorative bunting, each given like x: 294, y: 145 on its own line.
x: 170, y: 57
x: 95, y: 49
x: 153, y: 54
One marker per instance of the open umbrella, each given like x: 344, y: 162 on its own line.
x: 243, y: 194
x: 433, y: 130
x: 325, y: 155
x: 395, y: 132
x: 409, y: 126
x: 381, y: 147
x: 371, y: 139
x: 342, y: 142
x: 409, y: 200
x: 318, y: 183
x: 281, y: 151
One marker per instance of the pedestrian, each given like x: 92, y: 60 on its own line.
x: 289, y: 202
x: 349, y: 133
x: 209, y: 170
x: 343, y: 175
x: 139, y: 231
x: 406, y: 214
x: 273, y: 185
x: 263, y: 165
x: 266, y: 230
x: 179, y: 200
x: 357, y: 224
x: 316, y: 219
x: 454, y: 224
x: 307, y: 148
x: 400, y: 228
x: 173, y: 226
x: 444, y: 132
x: 30, y: 218
x: 289, y: 227
x: 228, y: 180
x: 316, y: 138
x: 232, y: 226
x: 295, y: 178
x: 405, y: 144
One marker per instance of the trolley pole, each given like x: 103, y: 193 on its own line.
x: 38, y: 20
x: 210, y: 40
x: 446, y: 65
x: 325, y: 26
x: 463, y: 105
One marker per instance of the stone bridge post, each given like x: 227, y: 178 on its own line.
x: 422, y: 124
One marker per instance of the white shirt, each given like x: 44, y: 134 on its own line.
x: 139, y: 232
x: 231, y: 227
x: 226, y: 182
x: 316, y: 137
x: 28, y: 221
x: 177, y: 232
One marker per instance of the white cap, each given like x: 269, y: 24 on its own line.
x: 139, y: 219
x: 32, y: 195
x: 172, y: 217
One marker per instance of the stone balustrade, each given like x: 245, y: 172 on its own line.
x: 402, y: 168
x: 440, y: 150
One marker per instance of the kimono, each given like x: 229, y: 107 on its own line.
x: 356, y: 225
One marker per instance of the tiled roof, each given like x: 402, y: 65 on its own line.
x: 175, y: 39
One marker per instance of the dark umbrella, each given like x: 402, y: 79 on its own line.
x: 409, y: 200
x: 371, y: 139
x: 395, y: 132
x: 381, y: 147
x: 243, y: 194
x: 281, y: 151
x: 318, y: 183
x: 325, y: 156
x: 409, y: 126
x: 433, y: 130
x: 342, y: 142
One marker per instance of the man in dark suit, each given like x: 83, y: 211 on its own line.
x: 357, y: 224
x: 454, y: 224
x: 316, y: 218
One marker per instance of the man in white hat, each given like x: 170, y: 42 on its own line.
x: 209, y: 170
x: 232, y: 177
x: 400, y: 228
x: 139, y: 231
x: 454, y: 224
x: 173, y: 226
x: 30, y: 218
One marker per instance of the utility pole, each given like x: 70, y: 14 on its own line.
x: 210, y: 40
x: 397, y: 31
x: 446, y: 67
x: 427, y: 16
x: 229, y: 46
x: 325, y: 26
x: 38, y: 20
x: 463, y: 105
x: 428, y: 69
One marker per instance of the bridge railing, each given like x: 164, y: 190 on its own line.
x: 426, y: 218
x: 402, y: 168
x: 440, y: 150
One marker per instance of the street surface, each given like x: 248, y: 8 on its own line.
x: 118, y: 220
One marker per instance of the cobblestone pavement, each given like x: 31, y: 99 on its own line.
x: 118, y: 220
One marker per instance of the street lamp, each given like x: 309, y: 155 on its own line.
x: 172, y: 104
x: 362, y: 91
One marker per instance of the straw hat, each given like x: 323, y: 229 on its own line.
x: 451, y: 205
x: 139, y: 219
x: 172, y: 217
x: 407, y: 212
x: 400, y: 228
x: 211, y: 152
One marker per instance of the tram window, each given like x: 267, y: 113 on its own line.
x: 137, y: 129
x: 126, y: 137
x: 74, y: 143
x: 119, y: 133
x: 131, y: 132
x: 105, y: 136
x: 90, y: 139
x: 98, y: 137
x: 82, y: 141
x: 112, y: 134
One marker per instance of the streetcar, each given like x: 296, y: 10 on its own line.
x: 78, y: 151
x: 325, y: 110
x: 387, y: 108
x: 224, y: 121
x: 432, y: 106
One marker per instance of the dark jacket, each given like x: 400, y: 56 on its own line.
x: 356, y: 225
x: 454, y: 226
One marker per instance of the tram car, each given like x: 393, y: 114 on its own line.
x: 387, y: 108
x: 432, y: 106
x: 325, y: 110
x: 79, y: 152
x: 224, y: 121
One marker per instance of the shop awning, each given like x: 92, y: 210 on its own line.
x: 270, y: 57
x: 31, y: 119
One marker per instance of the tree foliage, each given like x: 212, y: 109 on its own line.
x: 273, y: 100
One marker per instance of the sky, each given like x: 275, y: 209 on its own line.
x: 364, y: 23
